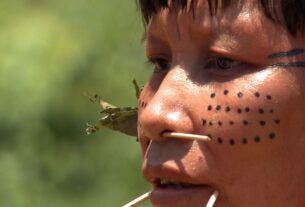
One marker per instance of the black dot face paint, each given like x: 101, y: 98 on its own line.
x: 245, y: 141
x: 142, y: 104
x: 272, y: 135
x: 257, y: 139
x: 245, y: 114
x: 204, y: 122
x: 218, y: 107
x: 245, y: 122
x: 232, y: 142
x: 240, y: 95
x: 219, y: 140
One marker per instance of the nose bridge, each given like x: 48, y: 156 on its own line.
x: 168, y: 108
x: 172, y: 87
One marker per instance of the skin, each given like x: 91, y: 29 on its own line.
x: 264, y: 173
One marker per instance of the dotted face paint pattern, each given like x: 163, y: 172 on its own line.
x: 142, y: 104
x: 212, y: 108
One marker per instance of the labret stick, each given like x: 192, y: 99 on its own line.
x: 145, y: 196
x: 139, y: 200
x: 212, y: 199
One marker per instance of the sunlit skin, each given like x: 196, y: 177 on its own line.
x: 261, y: 172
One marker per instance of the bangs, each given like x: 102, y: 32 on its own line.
x: 151, y: 7
x: 288, y: 13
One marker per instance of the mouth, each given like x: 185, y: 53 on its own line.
x: 172, y: 193
x: 164, y: 183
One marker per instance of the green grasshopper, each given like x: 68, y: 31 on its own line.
x: 122, y: 119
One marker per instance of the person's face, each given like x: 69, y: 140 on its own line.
x: 224, y: 76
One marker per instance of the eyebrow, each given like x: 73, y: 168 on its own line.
x: 290, y: 53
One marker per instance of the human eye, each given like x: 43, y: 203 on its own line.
x: 219, y: 63
x: 160, y: 64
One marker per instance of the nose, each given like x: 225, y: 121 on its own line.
x: 168, y: 107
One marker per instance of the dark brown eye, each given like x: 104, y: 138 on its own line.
x: 222, y: 63
x: 225, y: 63
x: 160, y: 65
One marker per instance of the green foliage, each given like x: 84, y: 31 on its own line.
x: 52, y: 53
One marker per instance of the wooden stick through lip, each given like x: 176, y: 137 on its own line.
x: 139, y: 200
x: 212, y: 199
x: 185, y: 136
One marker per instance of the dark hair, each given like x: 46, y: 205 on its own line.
x: 292, y: 11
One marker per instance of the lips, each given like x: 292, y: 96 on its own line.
x: 175, y: 188
x: 171, y: 193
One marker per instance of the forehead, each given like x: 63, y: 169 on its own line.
x: 238, y: 22
x: 198, y: 16
x: 241, y: 31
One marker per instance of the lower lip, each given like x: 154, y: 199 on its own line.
x: 197, y: 196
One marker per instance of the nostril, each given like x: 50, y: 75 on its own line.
x: 164, y: 131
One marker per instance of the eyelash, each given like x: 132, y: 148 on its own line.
x: 160, y: 64
x: 216, y: 63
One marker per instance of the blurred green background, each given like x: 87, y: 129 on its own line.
x: 52, y: 53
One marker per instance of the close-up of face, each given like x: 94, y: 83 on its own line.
x: 228, y: 71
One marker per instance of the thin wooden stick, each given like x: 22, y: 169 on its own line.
x: 212, y: 199
x: 139, y: 200
x: 185, y: 136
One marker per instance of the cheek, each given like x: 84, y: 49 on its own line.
x: 254, y: 135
